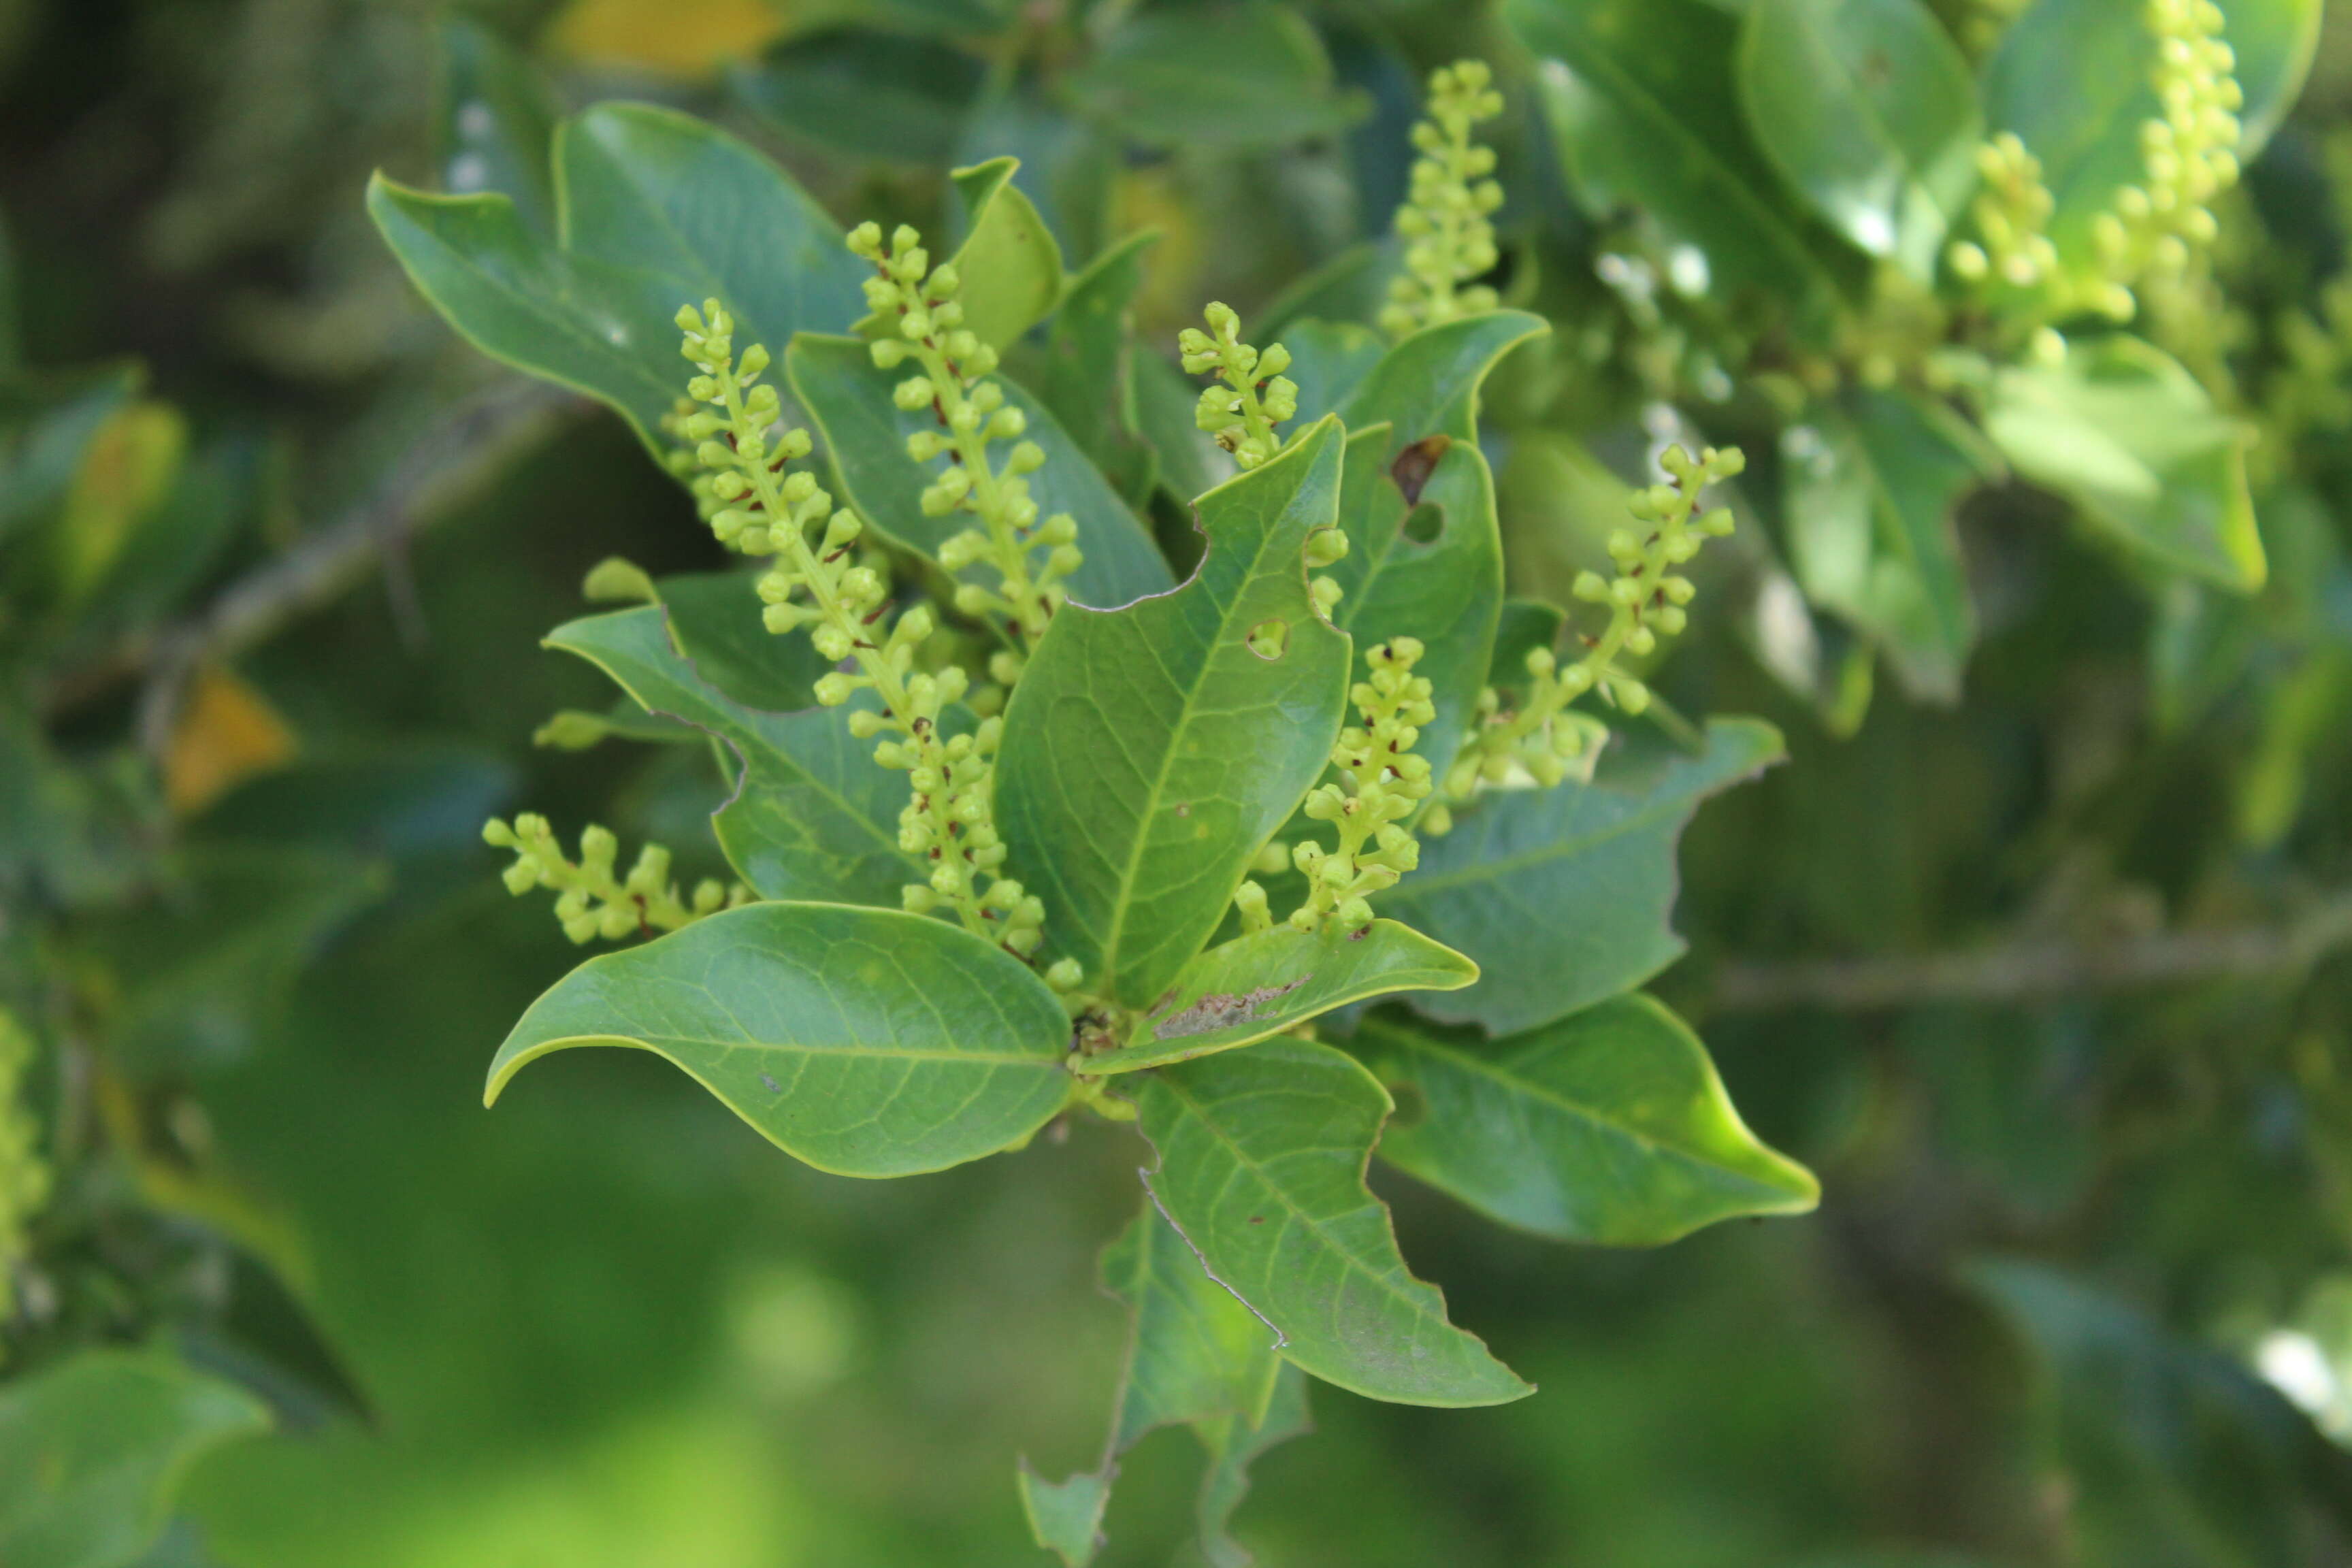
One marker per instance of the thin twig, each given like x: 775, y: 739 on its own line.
x: 475, y: 436
x: 2036, y: 969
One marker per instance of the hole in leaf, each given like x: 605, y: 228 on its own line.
x: 1425, y: 522
x: 1269, y: 638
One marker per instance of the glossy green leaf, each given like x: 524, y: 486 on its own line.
x: 1641, y: 96
x: 654, y: 210
x: 1148, y: 751
x: 866, y: 432
x: 1244, y: 991
x: 1194, y: 1354
x: 1233, y: 76
x: 1609, y: 1126
x: 1235, y: 1443
x: 2129, y: 436
x: 1869, y: 109
x: 93, y: 1449
x: 812, y: 816
x: 1872, y: 483
x: 1425, y: 557
x: 1089, y: 376
x: 1262, y: 1157
x: 866, y: 93
x: 2072, y: 80
x: 866, y: 1042
x: 1563, y: 896
x: 1328, y: 360
x: 496, y: 124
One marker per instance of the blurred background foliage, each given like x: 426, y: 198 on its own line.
x: 2046, y: 981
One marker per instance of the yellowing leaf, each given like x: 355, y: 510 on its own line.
x: 227, y: 733
x: 127, y: 469
x: 686, y: 38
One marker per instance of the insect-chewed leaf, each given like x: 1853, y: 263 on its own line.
x: 1561, y: 897
x: 1262, y: 1157
x: 1609, y: 1126
x: 811, y: 816
x: 867, y: 1042
x: 1193, y: 1355
x: 1149, y: 752
x: 866, y: 432
x: 1233, y: 1444
x: 657, y: 209
x: 1244, y: 991
x: 1425, y: 557
x: 93, y: 1448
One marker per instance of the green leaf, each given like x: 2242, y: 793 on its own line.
x: 1562, y: 897
x: 1227, y: 76
x: 1150, y: 752
x: 1870, y: 111
x: 1247, y: 990
x: 1261, y: 1158
x: 1066, y: 1517
x: 654, y: 210
x: 866, y: 434
x: 1010, y: 266
x: 1639, y: 95
x: 1425, y: 557
x: 714, y: 618
x: 1194, y: 1353
x: 12, y: 352
x: 1089, y: 377
x: 812, y: 815
x: 495, y: 123
x: 866, y: 93
x: 2169, y: 1453
x: 93, y: 1450
x: 1235, y: 1444
x: 1328, y: 360
x: 1872, y: 482
x: 1609, y: 1126
x: 2129, y: 436
x: 866, y: 1042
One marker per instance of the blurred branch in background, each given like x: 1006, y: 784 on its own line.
x: 2036, y: 967
x: 478, y: 440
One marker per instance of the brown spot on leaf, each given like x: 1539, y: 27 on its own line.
x: 1222, y: 1010
x: 1416, y: 463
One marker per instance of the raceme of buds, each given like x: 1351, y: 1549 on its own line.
x: 1381, y: 784
x: 1251, y: 396
x: 917, y: 304
x: 590, y: 899
x: 1446, y: 219
x: 2159, y: 225
x: 818, y: 583
x: 1647, y: 601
